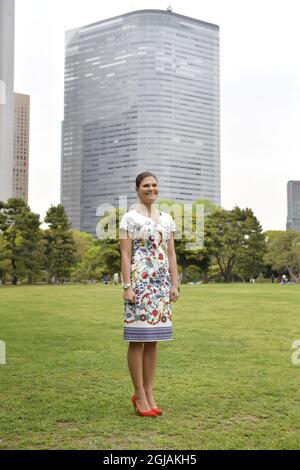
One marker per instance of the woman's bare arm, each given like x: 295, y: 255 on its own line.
x: 174, y: 293
x: 125, y: 248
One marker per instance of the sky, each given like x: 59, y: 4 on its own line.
x: 259, y: 93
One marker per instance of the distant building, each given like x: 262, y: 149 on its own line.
x: 293, y: 206
x: 21, y: 146
x: 7, y: 19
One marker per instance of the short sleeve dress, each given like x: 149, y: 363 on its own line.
x: 150, y: 318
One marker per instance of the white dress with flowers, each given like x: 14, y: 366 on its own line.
x: 150, y: 318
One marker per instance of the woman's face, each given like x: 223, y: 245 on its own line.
x: 148, y: 190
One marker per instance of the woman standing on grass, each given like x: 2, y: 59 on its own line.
x: 150, y: 283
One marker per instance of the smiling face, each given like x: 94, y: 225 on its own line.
x: 148, y: 190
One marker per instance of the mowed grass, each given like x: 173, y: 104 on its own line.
x: 227, y: 380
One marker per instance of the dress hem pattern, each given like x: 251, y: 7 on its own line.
x: 148, y: 334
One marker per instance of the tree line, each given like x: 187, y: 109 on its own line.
x: 235, y: 247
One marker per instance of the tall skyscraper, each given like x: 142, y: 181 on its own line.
x: 293, y: 206
x: 21, y: 146
x: 141, y: 93
x: 7, y: 13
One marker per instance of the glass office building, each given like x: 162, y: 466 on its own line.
x: 141, y: 93
x: 7, y: 28
x: 293, y: 206
x: 21, y: 146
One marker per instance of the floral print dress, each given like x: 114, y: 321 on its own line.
x: 150, y: 318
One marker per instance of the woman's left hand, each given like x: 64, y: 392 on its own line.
x: 174, y: 294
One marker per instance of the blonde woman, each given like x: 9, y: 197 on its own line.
x: 150, y: 284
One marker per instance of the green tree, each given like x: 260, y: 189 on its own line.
x: 83, y: 241
x: 235, y: 240
x: 22, y: 238
x: 283, y: 252
x: 32, y: 246
x: 5, y: 264
x: 59, y: 244
x: 90, y: 267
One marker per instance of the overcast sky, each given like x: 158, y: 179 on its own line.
x: 260, y: 92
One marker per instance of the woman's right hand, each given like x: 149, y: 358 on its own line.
x: 129, y: 295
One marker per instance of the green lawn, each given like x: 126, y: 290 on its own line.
x: 226, y: 381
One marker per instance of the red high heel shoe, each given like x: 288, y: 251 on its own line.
x: 157, y: 411
x: 140, y: 412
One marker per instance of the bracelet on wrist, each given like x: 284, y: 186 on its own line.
x: 126, y: 285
